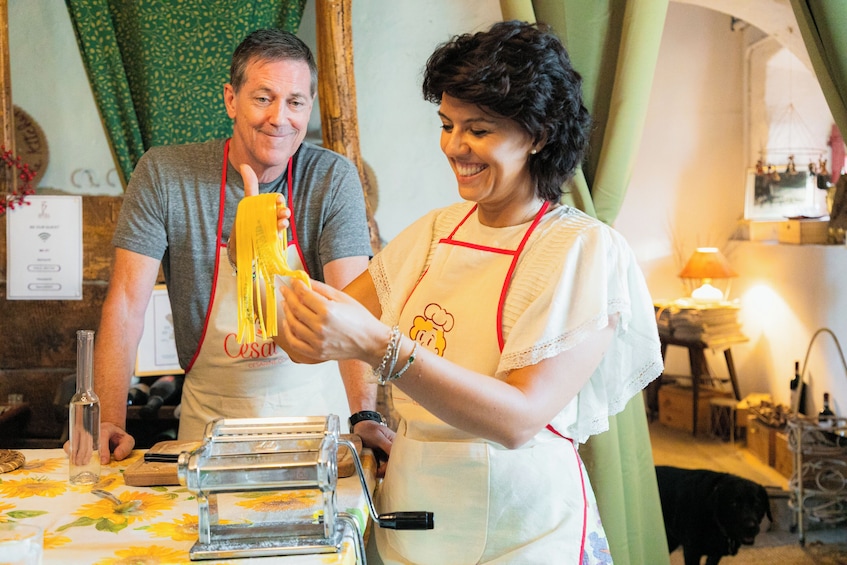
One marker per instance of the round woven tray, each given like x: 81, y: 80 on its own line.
x: 10, y: 460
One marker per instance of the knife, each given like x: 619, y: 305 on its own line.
x: 161, y: 457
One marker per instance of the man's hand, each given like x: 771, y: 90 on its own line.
x: 116, y: 440
x: 113, y: 439
x: 377, y: 437
x: 251, y: 188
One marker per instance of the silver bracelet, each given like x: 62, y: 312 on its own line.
x: 395, y: 354
x: 390, y: 353
x: 393, y: 377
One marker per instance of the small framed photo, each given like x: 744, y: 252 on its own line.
x: 779, y: 195
x: 157, y: 348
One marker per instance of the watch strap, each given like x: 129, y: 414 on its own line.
x: 365, y: 415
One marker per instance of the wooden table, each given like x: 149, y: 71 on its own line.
x: 699, y: 368
x: 81, y: 528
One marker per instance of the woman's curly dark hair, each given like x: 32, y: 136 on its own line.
x: 522, y: 72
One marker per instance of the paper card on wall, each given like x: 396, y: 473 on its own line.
x: 157, y: 349
x: 44, y: 249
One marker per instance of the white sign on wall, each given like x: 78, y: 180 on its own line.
x: 44, y: 249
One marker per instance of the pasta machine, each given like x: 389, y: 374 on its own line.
x: 251, y: 457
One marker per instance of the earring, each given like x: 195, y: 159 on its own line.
x: 533, y: 152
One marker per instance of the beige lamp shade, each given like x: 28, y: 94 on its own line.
x: 707, y: 263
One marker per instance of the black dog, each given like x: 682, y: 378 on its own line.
x: 710, y: 513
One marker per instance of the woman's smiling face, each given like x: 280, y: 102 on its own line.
x: 489, y: 154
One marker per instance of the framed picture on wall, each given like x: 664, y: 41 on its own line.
x: 780, y: 195
x: 157, y: 348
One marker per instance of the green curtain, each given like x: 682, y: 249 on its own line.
x: 614, y: 44
x: 157, y: 69
x: 823, y: 25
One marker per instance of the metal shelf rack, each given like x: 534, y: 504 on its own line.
x: 818, y: 484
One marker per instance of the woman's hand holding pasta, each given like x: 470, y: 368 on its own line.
x: 324, y: 323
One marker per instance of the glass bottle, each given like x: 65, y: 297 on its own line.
x: 165, y: 390
x: 138, y: 394
x: 798, y: 391
x: 826, y: 417
x: 84, y: 417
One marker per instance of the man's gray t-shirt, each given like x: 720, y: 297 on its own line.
x: 172, y: 205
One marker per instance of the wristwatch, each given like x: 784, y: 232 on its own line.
x: 365, y: 415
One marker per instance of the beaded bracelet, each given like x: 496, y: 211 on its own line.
x: 391, y: 352
x: 393, y: 377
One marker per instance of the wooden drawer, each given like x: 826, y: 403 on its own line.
x: 783, y: 458
x: 761, y: 440
x: 675, y: 408
x: 803, y: 231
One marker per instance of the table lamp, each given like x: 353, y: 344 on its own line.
x: 706, y: 264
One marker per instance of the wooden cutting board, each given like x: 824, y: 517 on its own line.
x: 152, y: 473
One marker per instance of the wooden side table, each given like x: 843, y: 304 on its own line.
x: 699, y: 368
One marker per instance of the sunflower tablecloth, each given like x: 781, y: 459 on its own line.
x: 81, y: 528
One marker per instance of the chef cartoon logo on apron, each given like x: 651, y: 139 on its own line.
x: 429, y: 330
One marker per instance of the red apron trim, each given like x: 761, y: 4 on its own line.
x: 468, y: 215
x: 294, y: 241
x: 507, y: 282
x: 479, y: 247
x: 584, y: 504
x: 584, y: 495
x: 515, y: 253
x: 217, y: 263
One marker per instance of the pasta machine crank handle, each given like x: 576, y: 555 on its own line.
x: 412, y: 520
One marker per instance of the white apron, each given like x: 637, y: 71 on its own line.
x: 491, y: 505
x: 233, y: 380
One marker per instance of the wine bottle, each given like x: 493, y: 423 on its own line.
x: 826, y: 417
x: 138, y: 394
x: 165, y: 390
x: 84, y: 417
x: 798, y: 391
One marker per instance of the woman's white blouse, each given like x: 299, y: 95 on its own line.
x: 574, y: 273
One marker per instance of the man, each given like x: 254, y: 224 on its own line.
x: 178, y: 211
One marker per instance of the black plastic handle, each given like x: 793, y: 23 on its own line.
x: 406, y: 521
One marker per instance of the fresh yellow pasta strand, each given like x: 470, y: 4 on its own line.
x: 262, y: 251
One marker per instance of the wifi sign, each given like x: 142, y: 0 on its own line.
x: 44, y: 236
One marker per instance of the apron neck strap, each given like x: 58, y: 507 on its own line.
x: 502, y: 303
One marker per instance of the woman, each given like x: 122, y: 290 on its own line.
x: 510, y: 326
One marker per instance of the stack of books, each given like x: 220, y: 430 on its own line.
x: 714, y: 324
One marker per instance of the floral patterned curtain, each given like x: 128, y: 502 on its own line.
x: 157, y: 68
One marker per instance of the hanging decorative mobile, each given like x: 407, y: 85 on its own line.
x: 790, y: 138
